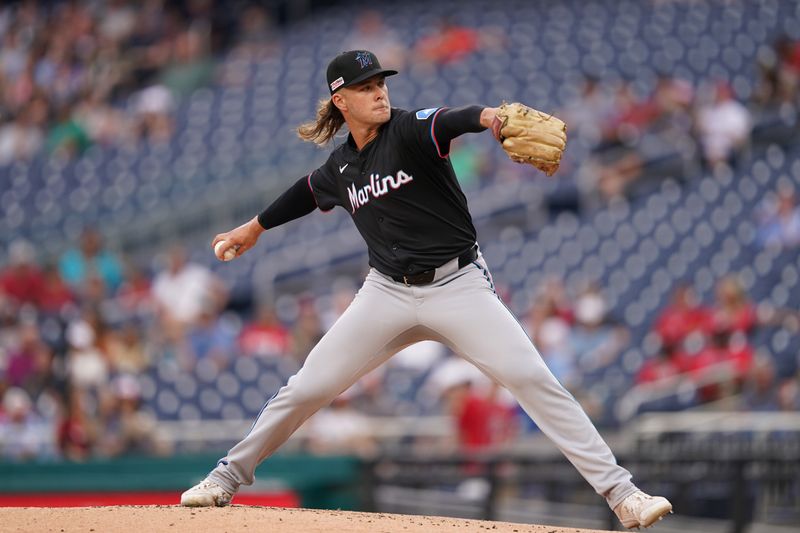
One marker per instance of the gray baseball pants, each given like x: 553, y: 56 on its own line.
x: 460, y: 309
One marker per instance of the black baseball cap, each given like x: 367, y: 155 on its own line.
x: 355, y: 66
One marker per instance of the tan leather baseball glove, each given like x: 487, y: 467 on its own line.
x: 530, y: 136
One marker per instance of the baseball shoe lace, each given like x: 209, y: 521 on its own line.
x: 206, y: 494
x: 642, y: 510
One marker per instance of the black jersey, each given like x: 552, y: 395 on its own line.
x: 402, y: 193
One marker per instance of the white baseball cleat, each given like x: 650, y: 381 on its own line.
x: 206, y: 494
x: 642, y: 510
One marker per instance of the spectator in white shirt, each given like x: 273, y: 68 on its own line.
x: 183, y: 290
x: 724, y: 127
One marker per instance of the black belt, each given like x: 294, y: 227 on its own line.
x: 423, y: 278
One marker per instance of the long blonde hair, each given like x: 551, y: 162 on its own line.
x: 327, y: 124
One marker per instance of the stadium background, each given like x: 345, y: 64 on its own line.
x: 658, y: 273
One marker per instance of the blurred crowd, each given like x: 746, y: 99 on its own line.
x: 77, y: 332
x: 74, y: 74
x: 578, y: 337
x: 711, y: 347
x: 114, y: 72
x: 627, y: 135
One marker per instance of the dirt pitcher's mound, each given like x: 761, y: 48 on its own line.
x: 174, y: 519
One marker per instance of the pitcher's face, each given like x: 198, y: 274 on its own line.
x: 366, y: 103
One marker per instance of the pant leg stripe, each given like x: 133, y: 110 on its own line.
x: 262, y: 410
x: 485, y: 275
x: 223, y: 461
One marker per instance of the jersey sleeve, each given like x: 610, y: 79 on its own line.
x: 433, y: 128
x: 297, y: 201
x: 324, y: 186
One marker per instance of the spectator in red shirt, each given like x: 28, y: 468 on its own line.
x: 788, y: 69
x: 265, y: 336
x: 718, y: 348
x: 632, y: 116
x: 681, y: 317
x: 22, y: 279
x: 733, y: 348
x: 449, y: 43
x: 76, y: 433
x: 656, y: 368
x: 740, y: 353
x: 779, y: 73
x: 696, y: 358
x: 733, y: 311
x: 134, y: 294
x: 55, y: 293
x: 483, y: 420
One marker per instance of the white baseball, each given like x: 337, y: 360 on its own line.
x: 230, y: 253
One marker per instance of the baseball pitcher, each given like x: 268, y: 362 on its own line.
x: 428, y: 279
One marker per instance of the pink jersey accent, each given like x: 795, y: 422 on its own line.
x: 433, y: 135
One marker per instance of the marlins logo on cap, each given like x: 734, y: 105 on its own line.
x: 364, y: 59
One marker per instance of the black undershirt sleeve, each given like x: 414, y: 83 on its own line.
x: 453, y: 122
x: 297, y: 201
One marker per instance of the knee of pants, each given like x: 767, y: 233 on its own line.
x: 533, y: 377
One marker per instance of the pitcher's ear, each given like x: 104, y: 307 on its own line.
x: 339, y: 101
